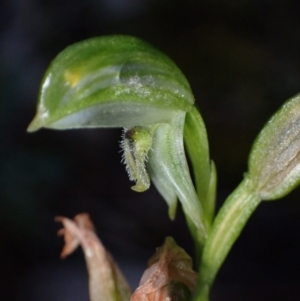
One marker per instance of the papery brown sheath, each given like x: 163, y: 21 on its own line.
x: 169, y: 276
x: 106, y: 282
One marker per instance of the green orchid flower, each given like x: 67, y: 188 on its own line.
x: 121, y: 81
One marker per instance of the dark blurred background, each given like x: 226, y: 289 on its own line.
x: 242, y: 60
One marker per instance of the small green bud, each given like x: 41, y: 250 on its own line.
x: 274, y: 162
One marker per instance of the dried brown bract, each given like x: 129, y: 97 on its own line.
x: 169, y: 276
x: 106, y: 282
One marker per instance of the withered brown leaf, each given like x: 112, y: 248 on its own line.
x: 106, y: 282
x: 169, y: 276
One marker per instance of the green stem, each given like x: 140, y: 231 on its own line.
x: 226, y: 228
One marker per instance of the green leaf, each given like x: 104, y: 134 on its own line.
x: 274, y: 162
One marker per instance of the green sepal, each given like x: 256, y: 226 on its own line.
x: 196, y: 142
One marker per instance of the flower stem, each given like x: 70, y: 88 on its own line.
x: 226, y: 228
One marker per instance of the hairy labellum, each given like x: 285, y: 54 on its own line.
x: 136, y: 142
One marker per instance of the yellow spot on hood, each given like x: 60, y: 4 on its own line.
x: 72, y: 78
